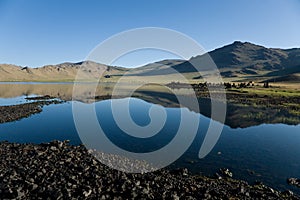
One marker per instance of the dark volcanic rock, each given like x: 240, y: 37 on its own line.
x: 226, y: 172
x: 294, y: 181
x: 58, y: 170
x: 17, y: 112
x: 45, y: 97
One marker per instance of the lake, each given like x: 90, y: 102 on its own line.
x: 268, y: 152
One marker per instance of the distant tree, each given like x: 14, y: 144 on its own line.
x: 242, y: 85
x: 227, y: 85
x: 266, y: 84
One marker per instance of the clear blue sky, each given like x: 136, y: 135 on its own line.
x: 40, y: 32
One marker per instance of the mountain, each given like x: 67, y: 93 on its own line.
x: 239, y: 61
x: 61, y: 72
x: 249, y: 56
x: 249, y: 59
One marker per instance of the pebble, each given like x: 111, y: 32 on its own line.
x: 57, y: 170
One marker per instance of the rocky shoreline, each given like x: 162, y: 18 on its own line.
x: 57, y: 170
x: 17, y: 112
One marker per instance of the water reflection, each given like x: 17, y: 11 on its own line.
x: 85, y: 91
x: 14, y: 100
x: 153, y: 93
x: 267, y: 153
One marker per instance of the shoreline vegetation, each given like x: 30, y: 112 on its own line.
x: 59, y: 170
x: 250, y: 104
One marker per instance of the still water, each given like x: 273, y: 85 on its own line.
x: 269, y: 152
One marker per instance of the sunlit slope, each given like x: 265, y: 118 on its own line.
x: 62, y: 72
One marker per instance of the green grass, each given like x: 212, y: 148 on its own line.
x: 268, y: 91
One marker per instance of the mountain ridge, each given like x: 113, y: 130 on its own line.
x: 236, y: 60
